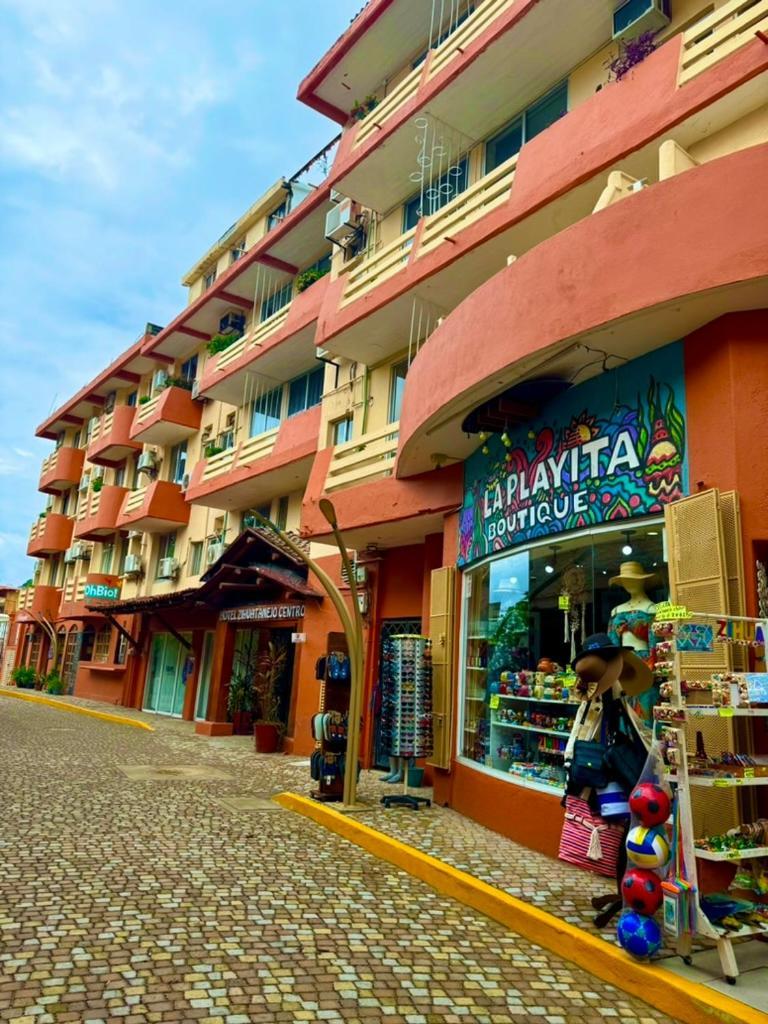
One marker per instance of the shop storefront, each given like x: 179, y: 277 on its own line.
x: 561, y: 536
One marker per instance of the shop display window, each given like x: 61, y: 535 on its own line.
x: 526, y: 612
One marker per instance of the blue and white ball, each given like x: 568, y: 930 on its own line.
x: 638, y: 935
x: 647, y: 847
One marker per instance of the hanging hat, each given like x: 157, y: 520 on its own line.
x: 602, y: 666
x: 632, y: 571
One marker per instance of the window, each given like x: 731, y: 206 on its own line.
x: 122, y: 552
x: 278, y: 215
x: 65, y: 502
x: 188, y: 370
x: 122, y: 650
x: 306, y: 391
x: 533, y: 120
x: 86, y: 648
x: 133, y: 398
x: 135, y: 479
x: 76, y: 438
x: 226, y: 439
x: 59, y: 440
x: 266, y: 411
x: 396, y: 389
x: 209, y: 279
x: 456, y: 19
x: 166, y: 548
x: 195, y: 557
x: 178, y: 462
x: 276, y: 301
x: 249, y: 521
x: 107, y: 554
x: 436, y: 194
x: 237, y: 250
x: 120, y: 475
x: 342, y: 430
x: 281, y: 519
x: 53, y: 572
x: 101, y: 645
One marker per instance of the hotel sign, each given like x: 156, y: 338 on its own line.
x: 263, y: 613
x: 605, y: 451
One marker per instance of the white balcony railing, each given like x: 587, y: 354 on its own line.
x: 258, y: 447
x: 389, y: 106
x: 482, y: 16
x: 254, y: 337
x: 378, y: 267
x: 134, y: 501
x: 712, y: 38
x: 370, y: 457
x: 218, y: 464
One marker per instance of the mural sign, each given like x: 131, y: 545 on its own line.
x: 603, y: 451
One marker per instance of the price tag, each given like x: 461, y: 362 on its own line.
x: 564, y: 602
x: 726, y: 712
x: 667, y: 611
x: 493, y: 703
x: 749, y: 773
x: 725, y: 783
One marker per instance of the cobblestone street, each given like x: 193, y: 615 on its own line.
x: 131, y: 892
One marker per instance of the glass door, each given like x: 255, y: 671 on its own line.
x: 166, y: 676
x: 204, y: 678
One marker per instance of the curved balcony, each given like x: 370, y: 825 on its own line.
x: 274, y: 347
x: 50, y: 535
x: 110, y: 442
x: 38, y: 600
x: 270, y: 464
x: 159, y: 507
x: 168, y: 418
x: 98, y: 512
x: 61, y: 470
x: 648, y: 269
x: 556, y: 180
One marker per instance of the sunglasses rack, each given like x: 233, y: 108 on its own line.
x: 329, y: 726
x: 406, y: 671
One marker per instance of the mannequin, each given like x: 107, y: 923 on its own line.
x: 630, y: 626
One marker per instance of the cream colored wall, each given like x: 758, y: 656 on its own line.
x: 748, y: 131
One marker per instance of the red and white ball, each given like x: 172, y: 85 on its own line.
x: 650, y: 803
x: 641, y: 890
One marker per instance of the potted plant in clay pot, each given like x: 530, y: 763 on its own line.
x: 240, y: 703
x: 268, y: 729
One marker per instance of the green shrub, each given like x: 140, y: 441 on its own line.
x: 304, y: 280
x: 54, y: 683
x: 97, y: 484
x: 220, y: 342
x: 211, y: 450
x: 24, y: 677
x: 144, y: 399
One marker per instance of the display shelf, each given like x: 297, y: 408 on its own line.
x: 533, y: 728
x: 538, y: 700
x: 723, y: 711
x: 487, y: 638
x: 476, y: 668
x: 744, y: 932
x: 732, y: 855
x: 481, y: 699
x: 708, y: 780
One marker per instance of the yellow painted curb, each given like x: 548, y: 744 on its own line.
x: 684, y: 1000
x: 61, y: 705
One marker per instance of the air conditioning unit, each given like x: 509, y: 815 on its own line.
x: 214, y: 552
x: 85, y: 482
x: 134, y: 534
x: 147, y: 462
x: 195, y: 392
x: 185, y: 482
x: 82, y: 551
x: 634, y: 17
x: 132, y: 565
x: 168, y: 569
x: 232, y: 323
x: 340, y: 221
x: 159, y: 380
x: 336, y: 197
x: 70, y: 556
x: 322, y: 353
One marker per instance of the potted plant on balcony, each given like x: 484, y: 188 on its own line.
x: 308, y: 277
x: 144, y: 399
x: 97, y: 483
x: 268, y: 729
x: 359, y: 110
x: 24, y: 677
x: 220, y: 342
x: 631, y: 53
x: 212, y: 449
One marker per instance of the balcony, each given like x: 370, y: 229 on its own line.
x: 554, y: 182
x: 273, y: 463
x: 110, y: 442
x: 276, y: 347
x: 50, y: 535
x: 371, y: 457
x: 168, y: 418
x: 61, y: 470
x: 159, y: 507
x: 38, y: 600
x: 98, y: 512
x: 717, y: 35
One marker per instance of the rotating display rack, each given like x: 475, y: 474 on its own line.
x: 406, y: 672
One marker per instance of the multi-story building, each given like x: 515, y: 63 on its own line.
x: 524, y: 313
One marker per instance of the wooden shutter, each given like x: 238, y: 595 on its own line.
x: 441, y: 631
x: 698, y: 567
x: 730, y: 522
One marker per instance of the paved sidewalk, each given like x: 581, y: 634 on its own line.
x: 147, y: 877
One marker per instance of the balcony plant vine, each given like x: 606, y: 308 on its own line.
x: 308, y: 277
x: 220, y: 342
x: 359, y: 110
x: 631, y: 53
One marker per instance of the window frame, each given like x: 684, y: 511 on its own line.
x: 522, y: 118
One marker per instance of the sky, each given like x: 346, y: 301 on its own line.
x: 132, y: 135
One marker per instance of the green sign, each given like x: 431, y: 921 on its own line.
x: 102, y: 592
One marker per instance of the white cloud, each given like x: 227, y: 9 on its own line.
x: 23, y: 454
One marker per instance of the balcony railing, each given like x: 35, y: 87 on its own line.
x: 370, y: 457
x: 61, y: 469
x: 378, y: 267
x: 245, y: 454
x: 254, y: 337
x: 489, y: 192
x: 727, y: 29
x: 218, y: 464
x: 399, y: 96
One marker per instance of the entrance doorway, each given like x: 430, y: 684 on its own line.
x: 204, y: 678
x: 70, y: 659
x: 388, y: 628
x: 167, y: 675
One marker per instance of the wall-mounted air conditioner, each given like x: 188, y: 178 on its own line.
x: 70, y: 556
x: 159, y: 380
x: 147, y: 462
x: 340, y: 221
x: 185, y: 482
x: 195, y: 389
x: 85, y: 482
x: 167, y: 569
x: 214, y: 552
x: 336, y: 197
x: 634, y: 17
x: 82, y: 551
x: 132, y: 565
x: 232, y: 323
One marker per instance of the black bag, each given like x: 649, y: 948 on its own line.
x: 588, y: 766
x: 626, y: 754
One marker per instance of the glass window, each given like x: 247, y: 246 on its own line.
x: 518, y: 641
x: 306, y: 391
x: 76, y: 439
x: 178, y: 462
x: 276, y: 301
x: 122, y: 554
x: 107, y: 554
x: 120, y: 475
x: 266, y: 411
x: 342, y: 430
x: 65, y: 499
x: 133, y: 398
x: 396, y: 390
x: 209, y: 279
x: 188, y: 370
x: 237, y: 250
x: 526, y: 126
x: 101, y: 645
x: 122, y: 650
x: 277, y: 215
x: 281, y: 519
x: 195, y: 558
x: 436, y: 194
x: 166, y: 548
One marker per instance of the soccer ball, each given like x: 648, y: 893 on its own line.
x: 639, y: 935
x: 647, y: 847
x: 650, y: 803
x: 641, y: 890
